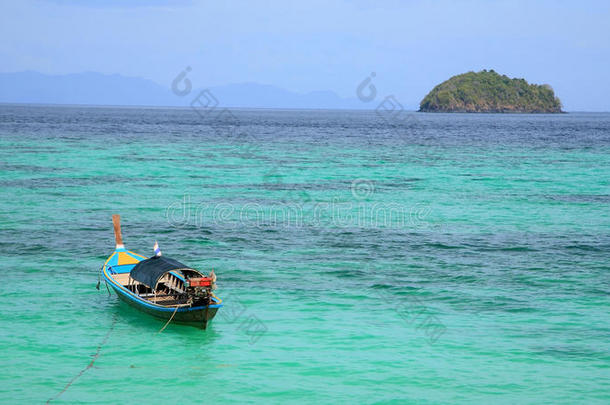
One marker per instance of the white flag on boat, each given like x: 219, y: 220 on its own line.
x: 156, y: 249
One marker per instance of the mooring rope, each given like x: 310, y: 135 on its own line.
x: 99, y: 278
x: 95, y: 357
x: 170, y: 319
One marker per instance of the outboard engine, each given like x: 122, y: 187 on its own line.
x: 199, y: 289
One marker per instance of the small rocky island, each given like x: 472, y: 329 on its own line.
x: 489, y: 92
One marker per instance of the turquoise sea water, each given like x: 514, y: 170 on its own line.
x: 427, y: 259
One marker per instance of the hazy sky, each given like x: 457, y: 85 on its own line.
x: 319, y: 45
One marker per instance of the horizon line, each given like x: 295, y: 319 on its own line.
x: 4, y: 103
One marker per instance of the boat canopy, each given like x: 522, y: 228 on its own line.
x: 149, y: 271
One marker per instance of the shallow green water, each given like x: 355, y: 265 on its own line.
x: 440, y: 259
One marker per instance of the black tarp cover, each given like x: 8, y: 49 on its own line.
x: 149, y: 271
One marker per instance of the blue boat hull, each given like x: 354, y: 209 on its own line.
x: 198, y: 317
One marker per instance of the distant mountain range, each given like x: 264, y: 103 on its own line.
x: 100, y: 89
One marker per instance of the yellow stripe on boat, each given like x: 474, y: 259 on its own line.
x: 135, y: 254
x: 125, y: 258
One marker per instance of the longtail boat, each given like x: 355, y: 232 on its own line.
x: 160, y: 286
